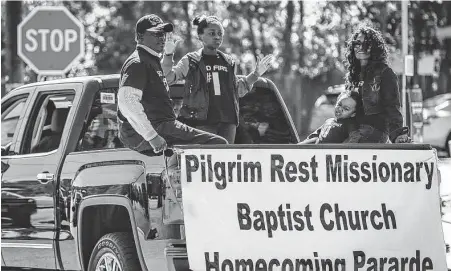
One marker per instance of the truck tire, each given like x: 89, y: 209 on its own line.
x: 115, y: 249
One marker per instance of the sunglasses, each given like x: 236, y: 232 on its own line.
x: 158, y: 34
x: 360, y: 44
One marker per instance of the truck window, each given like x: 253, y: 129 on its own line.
x: 45, y: 127
x: 100, y: 130
x: 262, y: 119
x: 11, y: 113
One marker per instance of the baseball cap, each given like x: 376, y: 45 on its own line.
x: 152, y: 23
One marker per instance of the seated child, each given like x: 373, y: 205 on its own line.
x: 337, y: 130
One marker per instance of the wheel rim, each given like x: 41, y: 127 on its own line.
x: 108, y: 262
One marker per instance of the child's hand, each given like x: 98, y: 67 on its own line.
x: 403, y: 139
x: 262, y: 127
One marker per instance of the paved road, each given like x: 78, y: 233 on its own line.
x: 153, y: 250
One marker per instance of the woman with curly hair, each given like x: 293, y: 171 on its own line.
x: 379, y: 119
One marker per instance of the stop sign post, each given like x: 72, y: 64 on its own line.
x: 50, y: 40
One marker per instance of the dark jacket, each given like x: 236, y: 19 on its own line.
x: 143, y: 71
x: 192, y: 69
x: 196, y: 100
x: 381, y: 100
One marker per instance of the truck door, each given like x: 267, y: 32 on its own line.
x: 30, y: 180
x: 13, y: 110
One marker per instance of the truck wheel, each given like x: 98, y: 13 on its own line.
x: 115, y: 252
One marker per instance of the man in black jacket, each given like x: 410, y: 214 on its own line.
x: 145, y: 111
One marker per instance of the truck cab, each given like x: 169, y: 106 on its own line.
x: 73, y: 198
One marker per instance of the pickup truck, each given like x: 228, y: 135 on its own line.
x: 73, y: 198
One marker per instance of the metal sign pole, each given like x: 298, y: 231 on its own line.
x: 405, y: 52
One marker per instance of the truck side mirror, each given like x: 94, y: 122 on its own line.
x: 6, y: 149
x: 5, y: 166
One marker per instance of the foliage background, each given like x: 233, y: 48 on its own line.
x: 307, y: 37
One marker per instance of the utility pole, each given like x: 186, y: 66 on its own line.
x: 405, y: 52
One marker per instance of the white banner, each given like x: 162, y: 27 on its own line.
x: 312, y: 209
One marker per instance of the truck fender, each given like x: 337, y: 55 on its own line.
x: 111, y: 200
x: 124, y: 178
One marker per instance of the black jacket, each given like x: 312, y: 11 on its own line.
x: 334, y: 131
x: 381, y: 100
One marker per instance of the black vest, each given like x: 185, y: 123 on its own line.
x: 196, y: 96
x: 155, y: 100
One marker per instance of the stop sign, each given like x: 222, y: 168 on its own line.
x: 50, y: 40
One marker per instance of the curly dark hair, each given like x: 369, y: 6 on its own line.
x: 378, y: 54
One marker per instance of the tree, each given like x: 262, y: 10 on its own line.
x: 425, y: 18
x: 286, y: 41
x: 13, y: 64
x: 255, y: 22
x: 308, y: 37
x: 445, y: 65
x: 319, y: 63
x: 189, y: 41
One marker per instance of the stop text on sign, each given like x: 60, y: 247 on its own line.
x: 56, y: 40
x: 50, y: 40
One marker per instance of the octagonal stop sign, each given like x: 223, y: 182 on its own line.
x: 50, y: 40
